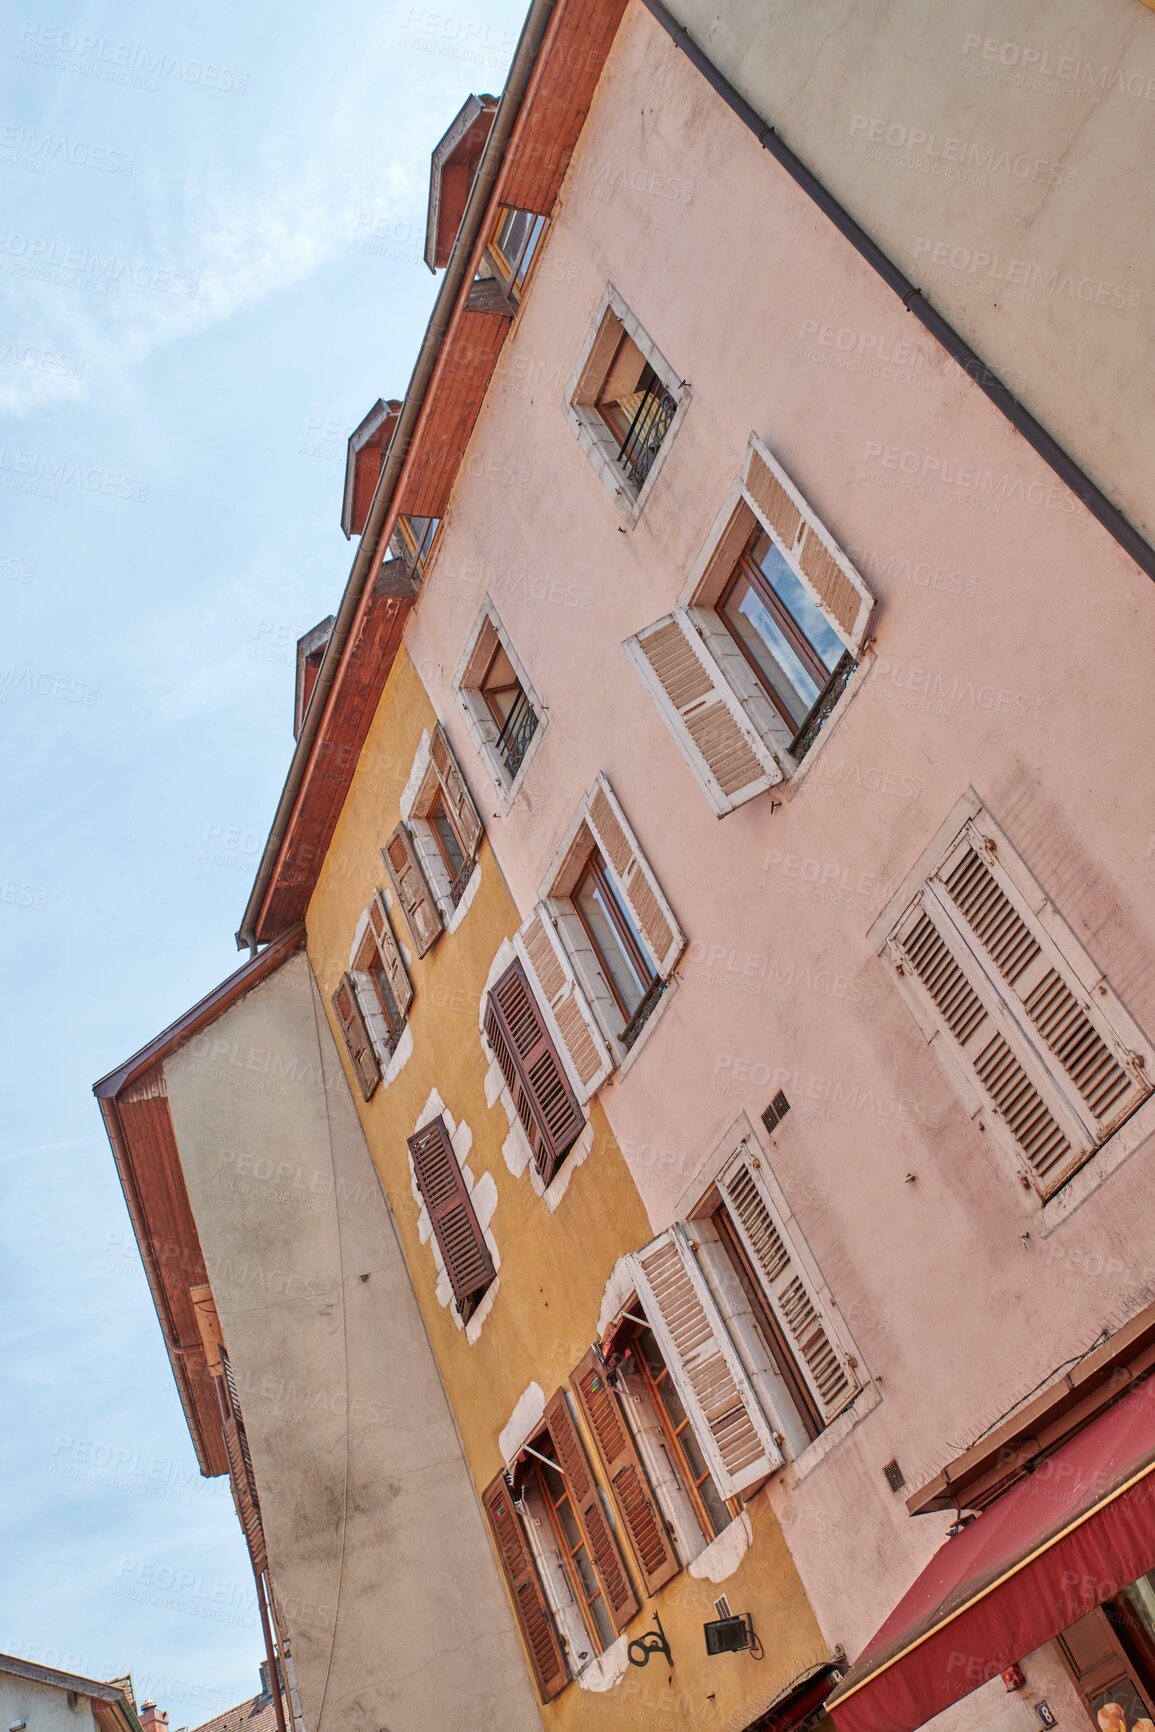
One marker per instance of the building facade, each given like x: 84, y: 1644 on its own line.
x: 708, y: 900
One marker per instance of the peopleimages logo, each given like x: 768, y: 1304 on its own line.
x: 1021, y: 273
x: 1065, y: 68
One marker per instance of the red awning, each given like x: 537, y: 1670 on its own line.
x: 1071, y: 1534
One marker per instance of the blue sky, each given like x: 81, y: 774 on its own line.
x: 210, y: 268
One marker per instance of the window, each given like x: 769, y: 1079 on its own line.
x: 566, y: 1574
x: 412, y: 540
x: 372, y: 1002
x: 604, y: 935
x: 523, y: 1047
x: 1025, y: 1029
x: 749, y: 671
x: 430, y: 859
x: 625, y: 401
x: 503, y: 714
x: 514, y: 245
x: 441, y: 1182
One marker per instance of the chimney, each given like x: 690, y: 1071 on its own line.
x: 153, y: 1719
x: 265, y: 1691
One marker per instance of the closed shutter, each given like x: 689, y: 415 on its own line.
x: 728, y: 1422
x: 534, y: 1074
x: 1100, y: 1077
x: 821, y: 1362
x: 455, y: 1226
x: 702, y: 711
x: 927, y: 947
x: 241, y: 1477
x: 649, y: 907
x: 533, y: 1614
x: 208, y: 1327
x: 351, y: 1021
x: 392, y: 960
x: 557, y: 985
x: 813, y: 552
x: 633, y: 1496
x: 422, y: 915
x: 621, y: 1601
x: 457, y: 796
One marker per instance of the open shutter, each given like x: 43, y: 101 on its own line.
x: 820, y: 1360
x: 533, y: 1614
x: 351, y: 1021
x: 388, y: 950
x: 442, y: 1185
x: 703, y: 712
x: 457, y: 796
x: 812, y: 551
x: 649, y: 907
x: 621, y: 1601
x: 241, y: 1477
x: 422, y: 915
x: 926, y: 946
x: 636, y: 1505
x: 728, y: 1422
x: 1101, y: 1079
x: 208, y: 1327
x: 557, y: 986
x: 517, y: 1032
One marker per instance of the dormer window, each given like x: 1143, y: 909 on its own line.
x: 310, y: 654
x: 365, y: 459
x: 453, y: 170
x: 514, y: 245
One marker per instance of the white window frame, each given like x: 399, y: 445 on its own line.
x: 1121, y: 1143
x: 421, y: 790
x: 591, y: 432
x: 483, y: 730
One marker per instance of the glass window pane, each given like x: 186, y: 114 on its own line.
x: 605, y: 1629
x: 752, y: 623
x: 385, y: 996
x: 716, y: 1506
x: 629, y: 985
x: 569, y: 1525
x: 530, y: 248
x: 447, y: 839
x: 586, y: 1573
x: 800, y: 604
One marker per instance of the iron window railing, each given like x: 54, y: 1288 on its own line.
x: 512, y: 742
x: 648, y: 428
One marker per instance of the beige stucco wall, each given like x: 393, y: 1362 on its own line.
x: 43, y: 1706
x: 383, y: 1576
x: 1002, y: 155
x: 1013, y: 650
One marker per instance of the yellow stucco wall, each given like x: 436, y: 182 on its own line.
x: 554, y: 1267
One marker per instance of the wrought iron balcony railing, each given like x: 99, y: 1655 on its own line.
x: 648, y: 428
x: 512, y: 742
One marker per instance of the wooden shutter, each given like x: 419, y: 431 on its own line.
x: 819, y: 1359
x: 351, y: 1021
x: 1098, y: 1074
x: 533, y: 1614
x: 241, y: 1477
x: 208, y: 1327
x: 442, y: 1185
x: 728, y: 1422
x: 457, y: 796
x: 557, y: 986
x: 703, y: 712
x: 648, y: 906
x: 388, y: 950
x: 633, y: 1496
x: 812, y: 551
x: 621, y: 1600
x: 534, y: 1074
x: 422, y: 915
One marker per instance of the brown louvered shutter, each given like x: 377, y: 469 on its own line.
x: 388, y: 950
x: 347, y: 1009
x: 817, y: 1354
x: 241, y: 1477
x: 703, y: 712
x: 457, y: 796
x: 636, y: 1504
x: 725, y: 1413
x: 655, y: 919
x: 813, y: 552
x: 455, y: 1226
x: 1100, y: 1077
x: 422, y: 915
x: 533, y: 1614
x: 551, y: 970
x: 534, y: 1074
x: 621, y: 1600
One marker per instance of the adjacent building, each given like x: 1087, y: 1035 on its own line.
x: 665, y: 1199
x: 36, y: 1698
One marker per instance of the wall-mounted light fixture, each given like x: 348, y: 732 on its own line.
x: 731, y: 1635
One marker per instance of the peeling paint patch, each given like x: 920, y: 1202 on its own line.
x: 617, y: 1290
x: 416, y: 777
x: 723, y: 1555
x: 528, y: 1413
x: 467, y: 896
x: 607, y: 1669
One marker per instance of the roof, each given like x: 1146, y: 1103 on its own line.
x: 37, y: 1674
x: 451, y: 169
x: 364, y: 460
x: 258, y: 1714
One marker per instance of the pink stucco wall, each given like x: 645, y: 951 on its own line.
x: 1038, y: 636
